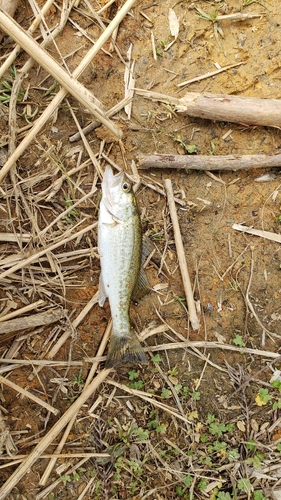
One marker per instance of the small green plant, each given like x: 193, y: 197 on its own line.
x: 208, y: 17
x: 157, y: 358
x: 6, y: 87
x: 52, y: 90
x: 255, y: 461
x: 78, y: 380
x: 249, y: 2
x: 196, y: 395
x: 258, y: 495
x: 189, y: 148
x: 166, y: 393
x: 223, y: 496
x: 73, y: 214
x: 238, y: 340
x: 244, y: 485
x: 133, y: 374
x: 181, y: 301
x: 65, y: 479
x: 263, y: 397
x: 234, y: 284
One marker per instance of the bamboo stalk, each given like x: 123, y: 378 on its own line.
x: 205, y: 162
x: 51, y: 435
x: 62, y: 93
x: 181, y: 256
x: 71, y: 84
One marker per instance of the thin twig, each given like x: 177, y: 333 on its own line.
x: 28, y: 394
x: 70, y: 84
x: 22, y: 310
x: 62, y: 93
x: 181, y: 257
x: 209, y: 74
x: 258, y: 232
x: 51, y: 435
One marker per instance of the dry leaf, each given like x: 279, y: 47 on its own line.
x: 241, y: 426
x: 173, y: 23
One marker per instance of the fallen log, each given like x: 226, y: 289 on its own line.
x: 205, y: 162
x: 223, y: 107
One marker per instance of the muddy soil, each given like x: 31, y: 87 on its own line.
x: 236, y: 276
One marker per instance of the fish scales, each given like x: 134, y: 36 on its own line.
x: 119, y: 243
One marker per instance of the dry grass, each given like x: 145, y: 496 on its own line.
x: 149, y: 433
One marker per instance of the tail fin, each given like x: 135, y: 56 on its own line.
x: 124, y: 349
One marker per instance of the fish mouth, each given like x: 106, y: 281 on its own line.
x: 110, y: 180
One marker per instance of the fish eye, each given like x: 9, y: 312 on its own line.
x: 126, y: 187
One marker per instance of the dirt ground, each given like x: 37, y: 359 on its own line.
x: 217, y: 435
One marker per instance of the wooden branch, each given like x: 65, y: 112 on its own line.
x: 205, y: 162
x: 223, y: 107
x: 232, y: 108
x: 181, y: 256
x: 25, y: 322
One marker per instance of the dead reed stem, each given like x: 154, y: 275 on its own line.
x: 207, y: 162
x: 62, y: 93
x: 35, y: 23
x: 70, y: 84
x: 28, y: 394
x: 181, y: 257
x: 51, y: 435
x: 60, y: 446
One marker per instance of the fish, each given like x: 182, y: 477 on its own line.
x: 120, y: 250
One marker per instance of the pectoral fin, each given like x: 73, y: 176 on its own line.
x: 102, y: 293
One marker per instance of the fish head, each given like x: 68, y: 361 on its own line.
x: 118, y: 196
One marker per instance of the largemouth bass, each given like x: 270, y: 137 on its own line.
x: 120, y: 248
